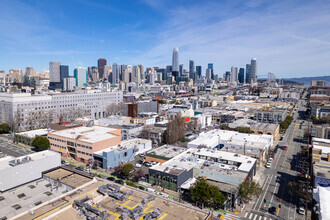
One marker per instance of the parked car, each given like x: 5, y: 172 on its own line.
x: 119, y: 182
x: 80, y: 168
x: 111, y: 178
x: 272, y: 210
x: 142, y: 188
x: 270, y: 160
x: 285, y: 147
x: 268, y: 165
x: 137, y: 165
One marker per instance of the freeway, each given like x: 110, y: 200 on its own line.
x: 275, y: 201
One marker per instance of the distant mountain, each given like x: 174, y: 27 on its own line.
x: 306, y: 80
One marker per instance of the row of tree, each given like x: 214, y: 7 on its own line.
x: 286, y: 123
x: 4, y: 128
x: 127, y: 171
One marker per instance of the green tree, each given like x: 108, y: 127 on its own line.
x: 4, y: 128
x: 26, y: 81
x: 32, y: 82
x: 224, y: 127
x: 246, y: 130
x: 127, y: 169
x: 249, y: 189
x: 42, y: 143
x: 202, y: 191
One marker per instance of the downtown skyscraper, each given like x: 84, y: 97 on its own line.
x: 175, y: 63
x: 101, y: 63
x: 253, y: 71
x: 191, y: 69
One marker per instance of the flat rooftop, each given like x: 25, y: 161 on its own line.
x: 87, y: 134
x: 34, y: 133
x: 124, y: 145
x: 25, y: 197
x: 168, y: 151
x: 5, y: 161
x: 68, y: 177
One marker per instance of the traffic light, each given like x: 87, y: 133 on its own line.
x: 279, y: 205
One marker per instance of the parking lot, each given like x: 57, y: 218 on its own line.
x: 12, y: 150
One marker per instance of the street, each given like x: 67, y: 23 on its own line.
x: 275, y: 202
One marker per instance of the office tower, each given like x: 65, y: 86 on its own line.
x: 253, y: 70
x: 151, y: 77
x: 69, y: 83
x: 216, y: 78
x: 168, y: 70
x: 227, y: 76
x: 163, y: 72
x: 122, y: 70
x: 156, y: 68
x: 81, y: 75
x: 181, y: 69
x: 175, y: 63
x: 241, y: 75
x: 125, y: 72
x: 136, y: 74
x: 100, y: 65
x: 64, y: 72
x: 115, y: 73
x: 199, y: 71
x: 142, y: 74
x: 191, y: 69
x: 54, y: 74
x: 29, y: 71
x: 247, y: 73
x: 159, y: 76
x: 208, y: 73
x: 233, y: 74
x: 93, y: 74
x: 210, y: 66
x: 107, y: 72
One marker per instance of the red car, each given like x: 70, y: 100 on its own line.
x: 285, y: 147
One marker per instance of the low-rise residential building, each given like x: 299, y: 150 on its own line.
x: 81, y: 142
x: 271, y: 116
x: 153, y: 133
x: 321, y: 131
x: 164, y: 153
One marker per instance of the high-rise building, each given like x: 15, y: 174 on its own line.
x: 115, y: 73
x: 135, y: 76
x: 126, y: 71
x: 54, y: 74
x: 247, y: 73
x: 181, y: 69
x: 208, y: 73
x: 69, y: 83
x: 191, y: 69
x: 199, y: 71
x: 233, y: 74
x: 241, y: 75
x: 16, y: 76
x: 94, y: 74
x: 168, y: 70
x: 253, y: 70
x: 100, y: 65
x: 163, y: 72
x: 210, y: 66
x: 142, y: 74
x: 29, y: 71
x: 81, y: 75
x: 64, y: 72
x: 107, y: 72
x: 227, y: 76
x: 175, y: 62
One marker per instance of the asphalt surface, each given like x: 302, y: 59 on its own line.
x: 283, y: 170
x: 12, y: 150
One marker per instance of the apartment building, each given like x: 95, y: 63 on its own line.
x: 272, y: 116
x: 80, y: 143
x: 27, y: 111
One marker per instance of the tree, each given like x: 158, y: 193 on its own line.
x: 138, y: 174
x: 246, y: 130
x: 176, y: 130
x: 224, y: 127
x: 115, y: 109
x: 297, y: 189
x: 26, y: 81
x: 127, y: 169
x: 4, y: 128
x: 32, y: 82
x: 249, y: 189
x: 42, y: 143
x: 117, y: 169
x: 202, y: 191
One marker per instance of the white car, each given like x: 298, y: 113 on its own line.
x: 137, y: 165
x: 270, y: 160
x: 268, y: 165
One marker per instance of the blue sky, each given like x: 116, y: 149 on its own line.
x: 289, y: 38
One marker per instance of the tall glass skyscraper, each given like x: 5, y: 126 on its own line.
x: 241, y: 75
x: 191, y: 69
x: 247, y: 73
x: 233, y: 74
x: 115, y: 73
x: 175, y: 60
x: 100, y: 66
x: 64, y: 72
x: 81, y: 75
x: 181, y: 69
x: 253, y: 70
x: 199, y: 71
x: 210, y: 66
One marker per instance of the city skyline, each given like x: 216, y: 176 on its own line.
x: 286, y: 42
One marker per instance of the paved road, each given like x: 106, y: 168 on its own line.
x: 283, y: 170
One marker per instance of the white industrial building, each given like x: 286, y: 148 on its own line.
x: 17, y: 171
x: 29, y: 111
x: 232, y: 141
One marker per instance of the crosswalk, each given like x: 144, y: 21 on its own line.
x: 254, y: 216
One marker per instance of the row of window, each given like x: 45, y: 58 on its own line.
x: 84, y: 153
x: 83, y: 146
x: 55, y: 139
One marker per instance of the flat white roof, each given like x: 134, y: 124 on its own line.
x: 4, y: 162
x: 34, y: 133
x: 124, y: 145
x: 88, y: 134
